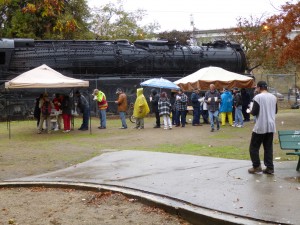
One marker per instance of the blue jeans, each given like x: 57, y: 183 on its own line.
x: 180, y: 117
x: 196, y: 116
x: 214, y: 115
x: 123, y: 119
x: 204, y: 114
x: 173, y: 117
x: 85, y: 118
x: 102, y: 116
x: 238, y: 118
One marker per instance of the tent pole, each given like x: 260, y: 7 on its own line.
x: 73, y: 105
x: 8, y: 117
x: 90, y: 114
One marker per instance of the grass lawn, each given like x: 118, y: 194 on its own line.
x: 48, y: 152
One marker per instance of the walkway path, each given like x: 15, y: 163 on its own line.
x: 214, y: 187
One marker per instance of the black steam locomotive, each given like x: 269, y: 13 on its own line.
x: 90, y: 59
x: 111, y: 64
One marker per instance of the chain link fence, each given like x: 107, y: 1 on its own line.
x: 283, y: 86
x: 281, y: 82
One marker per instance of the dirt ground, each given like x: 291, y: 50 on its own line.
x: 38, y: 206
x: 28, y: 153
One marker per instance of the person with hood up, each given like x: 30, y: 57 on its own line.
x: 165, y: 108
x: 100, y: 97
x: 140, y: 109
x: 226, y: 106
x: 154, y: 103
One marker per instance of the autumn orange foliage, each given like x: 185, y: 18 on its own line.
x: 280, y: 27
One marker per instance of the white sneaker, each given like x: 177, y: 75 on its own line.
x: 239, y: 126
x: 233, y: 125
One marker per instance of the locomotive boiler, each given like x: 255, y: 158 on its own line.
x: 119, y: 63
x: 90, y: 59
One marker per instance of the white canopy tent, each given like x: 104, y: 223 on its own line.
x: 44, y: 77
x: 214, y: 75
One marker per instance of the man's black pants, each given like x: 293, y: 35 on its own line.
x: 157, y: 118
x: 267, y: 141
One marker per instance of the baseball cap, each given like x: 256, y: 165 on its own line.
x: 118, y: 90
x: 95, y: 92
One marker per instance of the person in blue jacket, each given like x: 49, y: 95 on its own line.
x: 226, y: 106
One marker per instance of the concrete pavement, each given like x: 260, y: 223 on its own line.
x: 218, y: 191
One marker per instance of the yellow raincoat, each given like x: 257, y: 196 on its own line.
x: 141, y: 108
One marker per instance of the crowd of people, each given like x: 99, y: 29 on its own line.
x: 60, y: 106
x: 229, y: 104
x: 172, y: 109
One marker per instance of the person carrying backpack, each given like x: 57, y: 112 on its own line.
x: 46, y: 106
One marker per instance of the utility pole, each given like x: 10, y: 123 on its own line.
x: 192, y: 38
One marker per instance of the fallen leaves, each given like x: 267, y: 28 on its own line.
x: 96, y: 198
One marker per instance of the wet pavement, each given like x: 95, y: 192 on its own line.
x: 218, y: 188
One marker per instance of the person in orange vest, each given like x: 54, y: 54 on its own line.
x: 100, y: 97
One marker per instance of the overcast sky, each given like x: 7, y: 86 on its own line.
x: 206, y: 14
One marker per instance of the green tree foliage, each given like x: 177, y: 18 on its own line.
x: 181, y: 37
x: 44, y: 19
x: 113, y: 22
x: 71, y: 19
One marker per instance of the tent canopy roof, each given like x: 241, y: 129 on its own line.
x: 44, y: 77
x: 214, y: 75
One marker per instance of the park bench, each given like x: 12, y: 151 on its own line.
x: 290, y: 140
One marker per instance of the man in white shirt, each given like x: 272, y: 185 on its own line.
x: 264, y: 108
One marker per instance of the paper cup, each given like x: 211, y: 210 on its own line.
x: 209, y: 99
x: 216, y: 99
